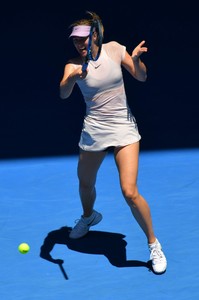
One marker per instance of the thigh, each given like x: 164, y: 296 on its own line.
x: 126, y: 159
x: 88, y: 165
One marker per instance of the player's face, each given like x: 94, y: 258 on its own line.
x: 81, y: 44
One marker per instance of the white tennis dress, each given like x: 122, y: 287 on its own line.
x: 108, y: 120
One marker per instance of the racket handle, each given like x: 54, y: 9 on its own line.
x: 84, y: 67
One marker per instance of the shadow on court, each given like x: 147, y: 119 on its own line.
x: 111, y: 245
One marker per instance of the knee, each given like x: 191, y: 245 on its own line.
x: 85, y: 184
x: 85, y: 181
x: 131, y: 195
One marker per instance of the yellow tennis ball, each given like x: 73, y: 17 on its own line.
x: 24, y: 248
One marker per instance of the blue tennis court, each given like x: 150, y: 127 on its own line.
x: 40, y: 202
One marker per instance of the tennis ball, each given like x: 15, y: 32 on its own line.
x: 24, y: 248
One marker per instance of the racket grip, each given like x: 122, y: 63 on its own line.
x: 84, y: 67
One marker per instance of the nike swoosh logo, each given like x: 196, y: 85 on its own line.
x: 89, y: 224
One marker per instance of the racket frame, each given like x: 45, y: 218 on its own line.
x: 96, y: 26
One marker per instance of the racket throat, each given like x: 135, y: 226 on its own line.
x: 93, y: 54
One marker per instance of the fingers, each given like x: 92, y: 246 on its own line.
x: 142, y: 43
x: 140, y: 49
x: 144, y: 49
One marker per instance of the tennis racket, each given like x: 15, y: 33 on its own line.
x: 96, y: 26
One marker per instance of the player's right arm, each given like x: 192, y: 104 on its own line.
x: 68, y: 81
x: 71, y: 74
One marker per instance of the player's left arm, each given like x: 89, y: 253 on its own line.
x: 133, y: 64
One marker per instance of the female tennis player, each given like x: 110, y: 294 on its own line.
x: 108, y: 123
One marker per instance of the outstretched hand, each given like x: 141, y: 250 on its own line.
x: 139, y: 50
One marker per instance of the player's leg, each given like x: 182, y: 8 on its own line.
x: 127, y: 162
x: 88, y: 166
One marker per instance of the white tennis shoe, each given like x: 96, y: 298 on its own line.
x: 83, y: 225
x: 157, y: 257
